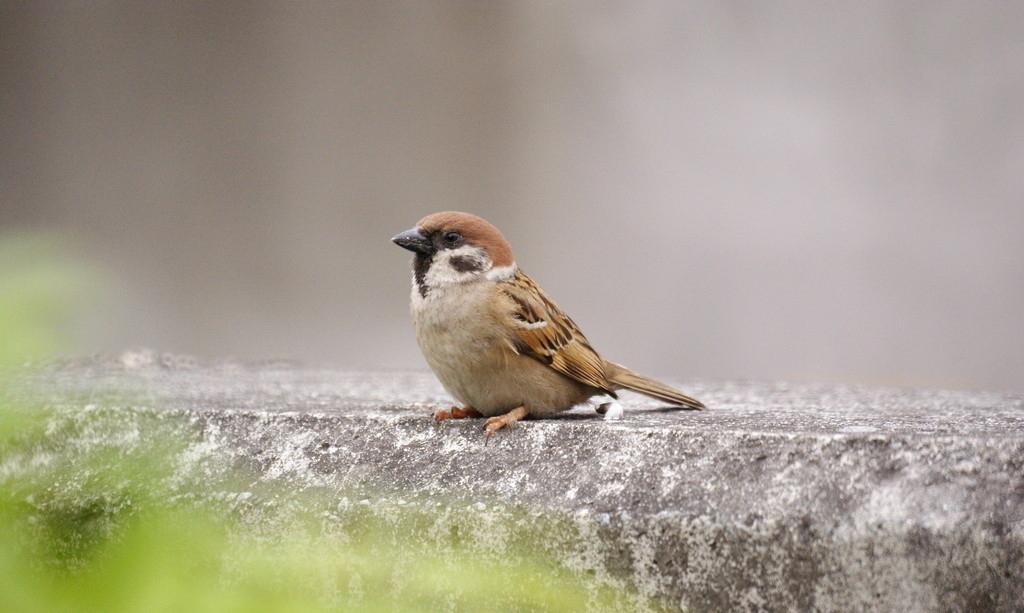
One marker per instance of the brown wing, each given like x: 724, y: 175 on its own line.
x: 542, y: 331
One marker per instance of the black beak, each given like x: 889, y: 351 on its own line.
x: 414, y: 240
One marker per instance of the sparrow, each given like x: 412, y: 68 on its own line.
x: 496, y: 341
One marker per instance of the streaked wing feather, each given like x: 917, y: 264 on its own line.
x: 543, y: 332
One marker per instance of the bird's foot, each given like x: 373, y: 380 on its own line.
x: 456, y: 413
x: 508, y: 420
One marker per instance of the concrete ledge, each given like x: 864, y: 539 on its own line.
x: 780, y: 496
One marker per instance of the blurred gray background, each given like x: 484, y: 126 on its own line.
x: 773, y: 190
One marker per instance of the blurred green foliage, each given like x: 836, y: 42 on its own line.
x: 40, y: 293
x: 91, y: 524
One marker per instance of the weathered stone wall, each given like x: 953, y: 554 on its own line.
x: 779, y: 496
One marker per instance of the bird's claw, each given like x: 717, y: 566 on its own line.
x: 456, y: 413
x: 508, y: 420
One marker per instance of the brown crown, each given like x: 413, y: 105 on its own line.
x: 475, y: 230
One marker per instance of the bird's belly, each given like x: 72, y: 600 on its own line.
x: 476, y: 366
x: 480, y: 382
x: 495, y: 382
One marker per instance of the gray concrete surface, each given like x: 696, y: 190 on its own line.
x: 780, y: 497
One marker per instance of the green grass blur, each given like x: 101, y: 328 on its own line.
x: 108, y: 527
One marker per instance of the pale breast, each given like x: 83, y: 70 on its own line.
x: 465, y: 347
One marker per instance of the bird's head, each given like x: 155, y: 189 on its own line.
x: 453, y: 247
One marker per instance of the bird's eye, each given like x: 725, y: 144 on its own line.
x: 452, y: 237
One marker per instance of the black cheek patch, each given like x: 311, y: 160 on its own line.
x: 465, y: 263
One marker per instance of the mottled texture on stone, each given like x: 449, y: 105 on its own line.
x: 780, y: 496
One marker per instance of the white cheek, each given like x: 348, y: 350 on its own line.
x: 442, y: 272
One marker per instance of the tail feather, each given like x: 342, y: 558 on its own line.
x: 624, y: 377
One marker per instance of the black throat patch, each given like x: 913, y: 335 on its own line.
x: 420, y: 266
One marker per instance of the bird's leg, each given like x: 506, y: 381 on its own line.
x: 507, y: 420
x: 456, y: 413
